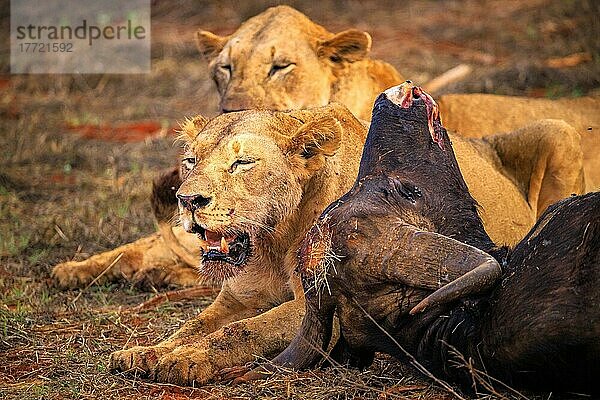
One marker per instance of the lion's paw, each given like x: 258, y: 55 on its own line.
x: 138, y: 359
x: 186, y: 366
x: 74, y: 274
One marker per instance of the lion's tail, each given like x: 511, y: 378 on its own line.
x: 164, y: 206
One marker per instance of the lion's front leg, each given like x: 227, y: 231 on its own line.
x: 265, y: 335
x: 229, y: 306
x: 148, y: 260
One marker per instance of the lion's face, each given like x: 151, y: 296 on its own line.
x: 243, y: 175
x: 259, y: 67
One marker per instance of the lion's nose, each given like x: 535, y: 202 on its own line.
x: 194, y: 201
x: 236, y: 102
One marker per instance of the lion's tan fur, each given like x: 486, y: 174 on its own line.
x: 325, y: 68
x: 277, y: 199
x: 293, y: 189
x: 479, y: 115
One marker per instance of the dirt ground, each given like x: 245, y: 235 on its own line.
x: 78, y: 154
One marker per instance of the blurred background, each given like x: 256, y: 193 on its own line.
x: 78, y: 153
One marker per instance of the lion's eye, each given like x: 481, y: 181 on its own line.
x: 222, y: 73
x: 281, y: 67
x: 242, y: 165
x: 225, y: 68
x: 188, y: 162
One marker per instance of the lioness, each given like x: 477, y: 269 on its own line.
x: 253, y: 183
x: 282, y: 60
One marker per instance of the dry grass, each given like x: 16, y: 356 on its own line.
x: 63, y: 197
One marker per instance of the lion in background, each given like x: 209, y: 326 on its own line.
x: 282, y: 60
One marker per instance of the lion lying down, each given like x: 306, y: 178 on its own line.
x: 253, y: 183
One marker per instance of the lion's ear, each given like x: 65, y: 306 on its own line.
x: 314, y: 141
x: 350, y: 46
x: 191, y: 127
x: 209, y: 44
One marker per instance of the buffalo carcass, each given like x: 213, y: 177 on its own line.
x: 404, y: 261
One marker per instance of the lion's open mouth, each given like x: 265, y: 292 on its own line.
x: 223, y: 255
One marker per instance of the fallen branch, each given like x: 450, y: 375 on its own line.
x: 394, y: 390
x: 452, y: 75
x: 569, y: 61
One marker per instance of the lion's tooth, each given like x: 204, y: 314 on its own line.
x: 224, y: 245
